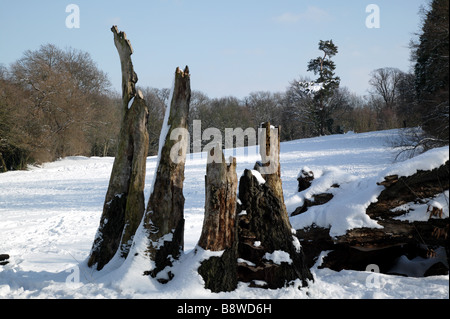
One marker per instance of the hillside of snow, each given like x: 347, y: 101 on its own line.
x: 49, y: 216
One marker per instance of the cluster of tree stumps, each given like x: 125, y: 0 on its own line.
x: 248, y: 235
x: 259, y: 245
x: 252, y: 229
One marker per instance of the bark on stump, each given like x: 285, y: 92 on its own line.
x: 164, y: 217
x: 124, y: 202
x: 269, y: 251
x: 219, y: 226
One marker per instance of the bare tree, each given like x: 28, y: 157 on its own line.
x: 156, y: 100
x: 264, y: 107
x: 385, y: 83
x: 62, y: 93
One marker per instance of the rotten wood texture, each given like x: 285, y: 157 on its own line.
x: 124, y: 203
x: 397, y: 237
x: 164, y: 218
x: 219, y: 231
x: 269, y: 167
x: 264, y: 228
x: 219, y: 225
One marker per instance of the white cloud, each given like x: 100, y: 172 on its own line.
x: 288, y: 17
x: 312, y: 14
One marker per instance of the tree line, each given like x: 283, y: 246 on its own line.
x: 56, y: 103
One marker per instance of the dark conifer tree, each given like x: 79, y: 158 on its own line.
x: 432, y: 73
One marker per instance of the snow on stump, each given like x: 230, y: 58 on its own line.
x: 219, y: 226
x: 269, y: 252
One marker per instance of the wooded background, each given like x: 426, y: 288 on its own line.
x: 56, y: 103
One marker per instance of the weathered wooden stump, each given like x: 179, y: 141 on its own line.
x: 270, y: 254
x: 164, y: 218
x: 219, y: 226
x: 124, y: 202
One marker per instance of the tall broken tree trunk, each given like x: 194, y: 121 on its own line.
x: 124, y: 202
x: 164, y: 218
x: 269, y: 251
x: 219, y: 225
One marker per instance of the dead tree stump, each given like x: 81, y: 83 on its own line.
x: 164, y: 218
x: 219, y: 226
x: 124, y: 202
x: 269, y: 252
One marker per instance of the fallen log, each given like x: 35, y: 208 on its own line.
x: 361, y: 247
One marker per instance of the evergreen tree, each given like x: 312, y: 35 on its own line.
x: 431, y: 54
x: 327, y: 84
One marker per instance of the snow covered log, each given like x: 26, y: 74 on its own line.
x: 164, y: 217
x: 124, y: 203
x: 219, y: 226
x: 400, y: 235
x: 269, y: 251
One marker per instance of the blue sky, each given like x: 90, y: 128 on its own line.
x: 232, y: 47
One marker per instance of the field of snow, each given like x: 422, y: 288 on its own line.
x: 49, y: 216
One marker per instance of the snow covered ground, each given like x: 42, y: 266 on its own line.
x: 49, y: 216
